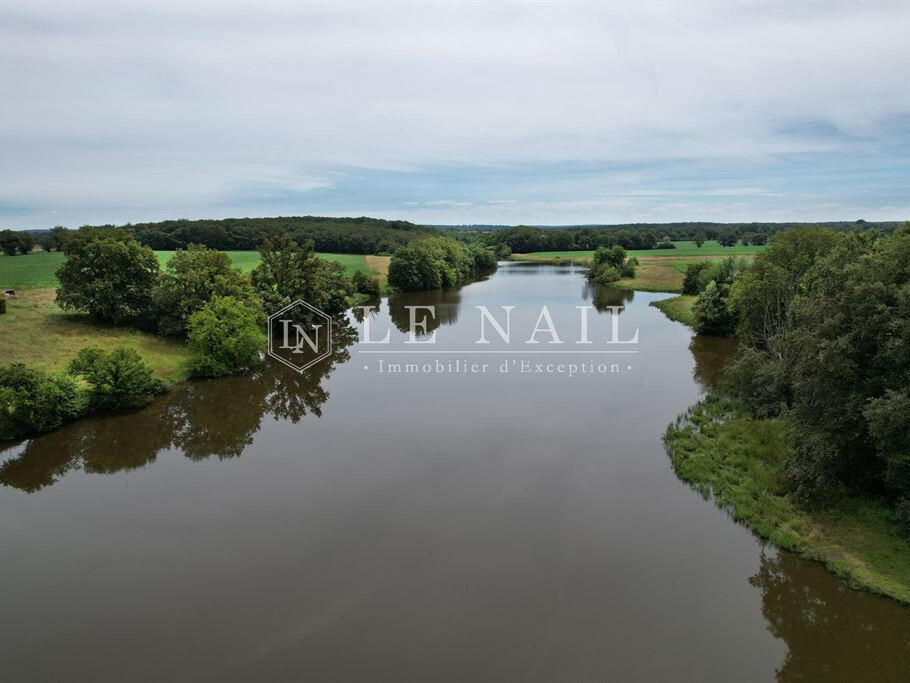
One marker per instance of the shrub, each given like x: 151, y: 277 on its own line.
x: 32, y: 400
x: 484, y: 259
x: 366, y: 283
x: 119, y: 379
x: 107, y: 274
x: 224, y: 337
x: 610, y: 264
x: 691, y: 279
x: 503, y: 252
x: 192, y: 277
x: 712, y: 311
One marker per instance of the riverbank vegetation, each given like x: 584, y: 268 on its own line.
x: 610, y: 264
x: 438, y: 262
x: 115, y: 304
x: 740, y: 462
x: 823, y: 323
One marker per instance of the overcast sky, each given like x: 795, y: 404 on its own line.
x: 436, y: 113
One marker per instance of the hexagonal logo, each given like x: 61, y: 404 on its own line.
x: 300, y: 335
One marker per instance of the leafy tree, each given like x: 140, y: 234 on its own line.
x: 712, y: 311
x: 9, y: 242
x: 434, y: 262
x: 484, y: 259
x: 366, y: 283
x: 699, y: 238
x: 191, y: 278
x: 503, y: 252
x: 26, y: 242
x: 119, y: 379
x: 108, y: 274
x: 762, y: 296
x: 290, y: 271
x: 224, y: 337
x: 727, y: 239
x: 610, y: 264
x: 691, y: 279
x: 32, y: 400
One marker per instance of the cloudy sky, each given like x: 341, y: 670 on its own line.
x: 445, y: 113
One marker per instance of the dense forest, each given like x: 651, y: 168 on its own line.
x: 341, y: 235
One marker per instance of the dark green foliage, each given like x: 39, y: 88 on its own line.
x: 291, y: 271
x: 691, y: 281
x: 503, y: 252
x: 712, y: 311
x: 763, y: 294
x: 342, y: 235
x: 32, y: 400
x: 107, y: 274
x: 437, y: 262
x: 26, y: 242
x: 727, y: 239
x: 191, y: 278
x: 366, y: 283
x: 825, y: 322
x: 665, y: 243
x: 610, y: 264
x: 119, y: 379
x: 9, y: 242
x: 484, y: 259
x: 224, y: 337
x: 699, y: 238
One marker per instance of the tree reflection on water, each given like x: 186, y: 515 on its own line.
x: 200, y: 419
x: 832, y: 631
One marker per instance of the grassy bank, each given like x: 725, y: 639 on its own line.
x: 737, y: 460
x: 678, y: 308
x: 35, y: 331
x: 37, y: 270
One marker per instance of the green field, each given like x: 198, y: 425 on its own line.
x: 710, y: 249
x: 36, y: 271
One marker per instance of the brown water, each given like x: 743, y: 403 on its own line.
x: 352, y: 525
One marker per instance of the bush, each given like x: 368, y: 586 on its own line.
x: 119, y: 379
x: 192, y: 277
x: 32, y: 400
x: 691, y: 279
x: 610, y: 264
x: 107, y: 274
x: 503, y: 252
x: 484, y: 259
x: 224, y: 337
x: 366, y: 283
x: 712, y: 311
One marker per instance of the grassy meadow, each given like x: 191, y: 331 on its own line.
x: 37, y: 332
x: 36, y: 270
x: 659, y: 270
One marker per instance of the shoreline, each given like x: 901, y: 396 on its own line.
x: 735, y: 461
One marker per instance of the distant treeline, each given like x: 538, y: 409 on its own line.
x: 340, y: 235
x: 523, y: 239
x: 376, y: 236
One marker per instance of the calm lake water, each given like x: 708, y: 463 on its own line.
x: 357, y: 525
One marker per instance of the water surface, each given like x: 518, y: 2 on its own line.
x: 352, y: 525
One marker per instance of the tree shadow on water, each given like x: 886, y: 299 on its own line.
x: 214, y: 418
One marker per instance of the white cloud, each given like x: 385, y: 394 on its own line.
x: 115, y: 109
